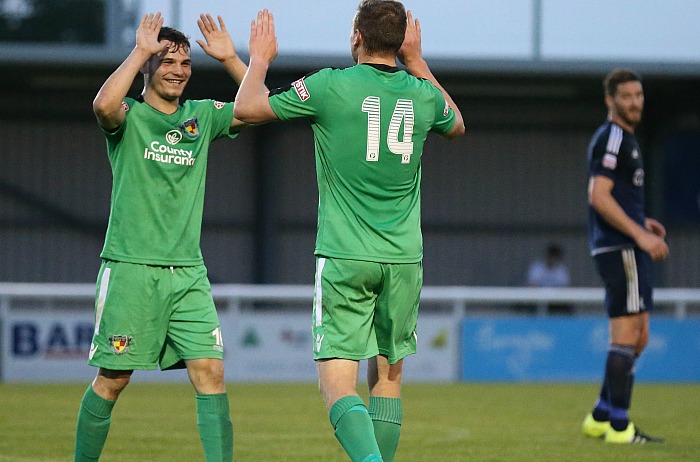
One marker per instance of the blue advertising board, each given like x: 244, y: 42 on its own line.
x: 572, y: 350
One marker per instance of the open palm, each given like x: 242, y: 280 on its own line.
x: 218, y: 43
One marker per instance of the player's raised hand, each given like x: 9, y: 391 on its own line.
x: 217, y: 41
x: 147, y: 33
x: 263, y: 42
x: 411, y: 48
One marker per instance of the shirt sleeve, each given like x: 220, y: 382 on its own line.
x: 603, y: 162
x: 444, y: 115
x: 300, y: 98
x: 113, y: 136
x: 222, y: 117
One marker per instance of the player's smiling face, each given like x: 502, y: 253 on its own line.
x: 627, y: 104
x: 170, y: 71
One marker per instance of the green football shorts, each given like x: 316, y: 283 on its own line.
x: 364, y: 308
x: 147, y: 316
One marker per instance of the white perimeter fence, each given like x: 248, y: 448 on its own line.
x: 462, y: 300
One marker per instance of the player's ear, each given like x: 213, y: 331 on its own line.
x: 609, y: 101
x: 356, y: 38
x: 146, y: 68
x: 151, y: 65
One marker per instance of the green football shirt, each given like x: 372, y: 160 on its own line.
x: 159, y: 164
x: 369, y: 124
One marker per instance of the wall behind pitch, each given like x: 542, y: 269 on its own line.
x: 492, y: 200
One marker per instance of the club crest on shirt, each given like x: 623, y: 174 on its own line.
x: 119, y: 344
x: 638, y: 177
x: 125, y: 106
x: 446, y: 110
x: 219, y: 104
x: 191, y: 128
x: 610, y: 161
x: 635, y: 154
x: 302, y: 91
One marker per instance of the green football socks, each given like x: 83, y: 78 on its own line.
x: 386, y: 416
x: 354, y: 430
x: 215, y: 427
x: 94, y: 418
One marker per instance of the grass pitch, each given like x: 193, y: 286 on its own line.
x: 287, y: 422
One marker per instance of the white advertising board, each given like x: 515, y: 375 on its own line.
x: 46, y: 346
x: 278, y: 347
x: 52, y: 346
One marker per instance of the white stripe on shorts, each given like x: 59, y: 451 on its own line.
x: 630, y: 264
x: 100, y: 306
x: 318, y: 289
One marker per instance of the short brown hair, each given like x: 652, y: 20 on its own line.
x: 177, y: 38
x: 382, y: 24
x: 617, y: 77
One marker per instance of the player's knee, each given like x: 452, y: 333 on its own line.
x: 109, y: 384
x: 207, y: 375
x: 642, y: 342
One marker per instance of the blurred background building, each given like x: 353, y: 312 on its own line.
x: 525, y: 73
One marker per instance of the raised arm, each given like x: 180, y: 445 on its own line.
x: 217, y: 43
x: 107, y: 105
x: 411, y: 55
x: 252, y: 105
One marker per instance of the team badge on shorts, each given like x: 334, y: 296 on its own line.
x: 191, y: 128
x: 119, y: 343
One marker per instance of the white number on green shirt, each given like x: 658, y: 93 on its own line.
x: 403, y: 113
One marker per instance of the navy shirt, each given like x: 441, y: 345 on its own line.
x: 614, y: 153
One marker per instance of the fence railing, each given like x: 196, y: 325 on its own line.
x: 458, y: 298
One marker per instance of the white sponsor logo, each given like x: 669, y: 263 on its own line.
x: 638, y: 178
x: 610, y: 161
x: 300, y: 88
x: 93, y: 349
x: 635, y: 154
x: 168, y: 155
x: 173, y: 137
x: 319, y: 340
x: 522, y: 349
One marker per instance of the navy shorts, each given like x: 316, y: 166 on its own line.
x: 627, y: 276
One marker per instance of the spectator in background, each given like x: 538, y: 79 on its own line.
x: 550, y: 271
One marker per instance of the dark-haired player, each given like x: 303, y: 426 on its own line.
x: 623, y: 242
x: 153, y: 302
x: 369, y: 123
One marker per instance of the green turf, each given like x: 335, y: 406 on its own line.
x: 287, y: 422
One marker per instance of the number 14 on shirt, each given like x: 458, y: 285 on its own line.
x: 403, y: 112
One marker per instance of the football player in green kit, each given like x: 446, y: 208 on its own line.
x: 370, y: 122
x: 153, y: 299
